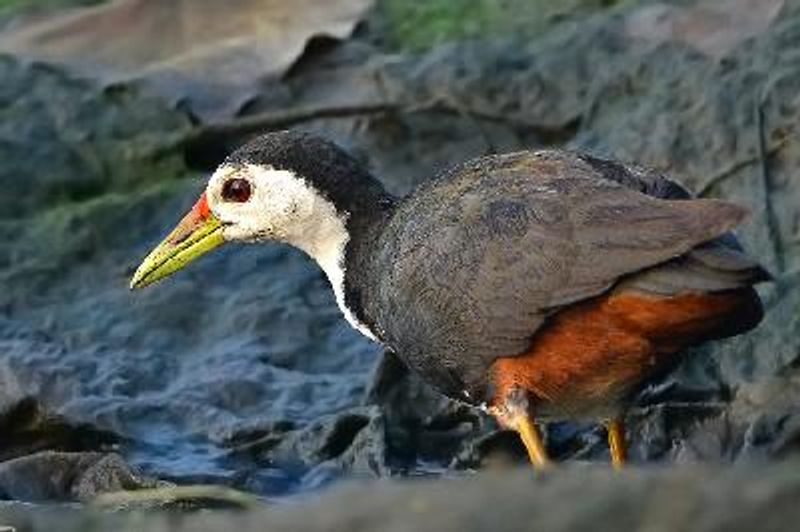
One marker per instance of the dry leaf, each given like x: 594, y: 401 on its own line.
x: 714, y: 27
x: 209, y: 53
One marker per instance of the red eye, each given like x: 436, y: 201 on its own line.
x: 237, y: 190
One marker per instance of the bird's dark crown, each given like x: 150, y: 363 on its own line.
x: 333, y: 172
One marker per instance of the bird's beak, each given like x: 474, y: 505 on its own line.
x: 198, y: 233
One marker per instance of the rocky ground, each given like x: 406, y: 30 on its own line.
x: 575, y: 498
x: 240, y: 371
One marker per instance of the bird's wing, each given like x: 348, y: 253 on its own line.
x: 474, y: 261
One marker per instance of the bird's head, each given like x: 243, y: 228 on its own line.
x: 289, y: 187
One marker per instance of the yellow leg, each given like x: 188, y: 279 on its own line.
x: 514, y: 413
x: 533, y: 441
x: 616, y: 443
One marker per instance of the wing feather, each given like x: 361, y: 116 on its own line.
x: 473, y: 262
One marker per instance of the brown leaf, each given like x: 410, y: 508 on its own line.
x: 210, y: 53
x: 714, y: 27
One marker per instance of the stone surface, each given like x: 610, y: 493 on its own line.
x: 205, y: 56
x: 50, y: 476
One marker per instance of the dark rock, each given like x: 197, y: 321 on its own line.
x: 57, y: 476
x: 351, y: 443
x: 27, y: 429
x: 45, y: 457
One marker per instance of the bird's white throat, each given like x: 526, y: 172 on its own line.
x: 328, y: 248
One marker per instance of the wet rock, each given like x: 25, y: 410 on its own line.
x: 27, y: 429
x: 45, y: 457
x: 349, y: 443
x: 58, y: 476
x: 424, y: 430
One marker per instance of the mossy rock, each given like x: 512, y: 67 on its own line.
x: 422, y: 24
x: 64, y: 139
x: 11, y: 7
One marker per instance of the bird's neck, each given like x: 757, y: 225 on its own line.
x: 341, y: 243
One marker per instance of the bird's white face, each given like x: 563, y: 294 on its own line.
x: 255, y: 203
x: 251, y: 203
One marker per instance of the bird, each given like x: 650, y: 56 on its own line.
x: 536, y: 285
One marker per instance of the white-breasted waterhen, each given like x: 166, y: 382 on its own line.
x: 538, y: 284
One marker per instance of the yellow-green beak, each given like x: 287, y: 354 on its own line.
x: 196, y: 234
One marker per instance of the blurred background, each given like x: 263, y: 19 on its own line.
x: 240, y: 371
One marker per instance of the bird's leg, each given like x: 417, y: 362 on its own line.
x: 514, y: 413
x: 532, y: 440
x: 616, y: 442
